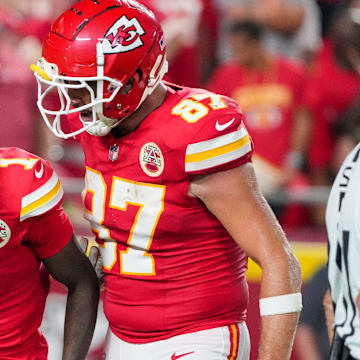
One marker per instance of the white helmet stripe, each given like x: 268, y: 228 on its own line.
x: 100, y: 62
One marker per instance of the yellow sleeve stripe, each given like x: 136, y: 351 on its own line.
x: 40, y: 192
x: 216, y: 142
x: 218, y: 151
x: 42, y: 199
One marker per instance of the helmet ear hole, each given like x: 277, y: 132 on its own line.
x: 140, y: 74
x: 128, y: 86
x: 139, y: 77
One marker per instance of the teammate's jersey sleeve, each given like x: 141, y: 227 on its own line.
x: 221, y: 143
x: 49, y: 233
x: 32, y: 196
x: 44, y: 192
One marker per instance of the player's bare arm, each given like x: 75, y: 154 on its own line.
x: 234, y: 198
x: 71, y: 267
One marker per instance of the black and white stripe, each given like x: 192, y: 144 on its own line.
x: 343, y: 227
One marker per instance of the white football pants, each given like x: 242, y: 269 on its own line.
x: 222, y: 343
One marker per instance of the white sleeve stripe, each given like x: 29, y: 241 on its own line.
x: 218, y: 160
x: 216, y: 142
x: 45, y: 207
x: 40, y: 192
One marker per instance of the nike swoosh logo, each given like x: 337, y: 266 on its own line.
x: 174, y: 357
x: 221, y: 127
x: 40, y: 173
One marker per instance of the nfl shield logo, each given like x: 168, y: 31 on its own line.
x: 113, y: 152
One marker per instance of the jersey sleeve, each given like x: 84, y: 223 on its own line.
x: 44, y: 191
x: 31, y: 198
x: 49, y: 233
x: 222, y: 143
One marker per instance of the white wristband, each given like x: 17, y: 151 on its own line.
x: 282, y: 304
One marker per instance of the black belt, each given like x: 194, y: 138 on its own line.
x: 339, y: 351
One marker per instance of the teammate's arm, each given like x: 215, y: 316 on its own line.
x: 234, y: 198
x: 71, y: 267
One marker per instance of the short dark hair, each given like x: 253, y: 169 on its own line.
x: 252, y: 29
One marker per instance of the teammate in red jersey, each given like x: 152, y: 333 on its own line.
x: 33, y: 229
x: 170, y: 194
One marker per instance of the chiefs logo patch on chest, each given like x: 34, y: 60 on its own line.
x: 5, y: 233
x: 151, y: 159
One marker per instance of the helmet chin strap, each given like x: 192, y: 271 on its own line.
x: 103, y: 126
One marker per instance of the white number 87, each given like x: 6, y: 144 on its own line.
x: 136, y: 259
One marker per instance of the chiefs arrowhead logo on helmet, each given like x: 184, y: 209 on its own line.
x: 124, y: 35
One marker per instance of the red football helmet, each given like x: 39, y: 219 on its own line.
x: 112, y: 42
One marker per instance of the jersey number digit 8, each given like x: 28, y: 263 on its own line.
x: 192, y: 111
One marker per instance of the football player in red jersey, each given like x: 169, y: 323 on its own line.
x: 170, y: 194
x: 34, y: 229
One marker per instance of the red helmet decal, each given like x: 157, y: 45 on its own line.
x: 123, y: 36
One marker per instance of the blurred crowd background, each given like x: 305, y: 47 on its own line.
x: 292, y: 65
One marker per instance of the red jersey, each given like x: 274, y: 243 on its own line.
x: 29, y: 191
x: 328, y: 100
x: 170, y: 266
x: 268, y: 98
